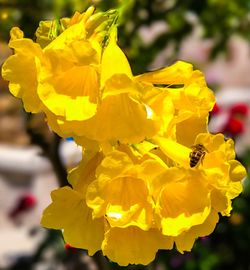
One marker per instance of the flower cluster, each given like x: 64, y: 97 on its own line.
x: 134, y: 191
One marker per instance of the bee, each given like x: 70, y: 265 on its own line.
x: 197, y: 155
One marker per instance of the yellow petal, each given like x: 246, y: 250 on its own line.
x: 220, y: 202
x: 114, y: 164
x: 22, y: 71
x: 211, y: 142
x: 237, y: 171
x: 177, y: 210
x: 175, y: 151
x: 82, y: 175
x: 235, y: 188
x: 134, y: 246
x: 167, y: 176
x: 178, y: 73
x: 114, y: 60
x: 163, y: 107
x: 198, y: 97
x: 185, y: 241
x: 119, y: 118
x: 87, y: 144
x: 187, y: 136
x: 120, y: 84
x: 76, y: 31
x: 123, y: 200
x: 229, y: 149
x: 69, y: 212
x: 151, y: 168
x: 72, y: 94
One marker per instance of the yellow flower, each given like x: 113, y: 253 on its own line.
x: 30, y: 65
x: 146, y: 197
x: 119, y: 216
x: 69, y: 82
x: 69, y: 212
x: 181, y: 99
x: 120, y: 113
x: 222, y: 172
x: 119, y: 194
x: 76, y: 81
x: 121, y: 190
x: 134, y: 191
x: 182, y: 200
x: 226, y: 172
x: 22, y: 70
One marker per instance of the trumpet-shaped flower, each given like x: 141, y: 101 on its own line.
x: 106, y: 195
x: 181, y: 98
x: 120, y: 113
x: 69, y: 212
x: 22, y: 70
x: 223, y: 173
x: 176, y: 210
x: 116, y: 189
x: 77, y: 81
x: 28, y: 68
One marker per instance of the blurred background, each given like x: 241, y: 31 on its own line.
x: 214, y: 35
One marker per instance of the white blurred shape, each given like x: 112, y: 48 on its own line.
x: 70, y: 152
x: 22, y: 160
x: 149, y: 34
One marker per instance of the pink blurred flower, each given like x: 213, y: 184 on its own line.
x: 24, y: 203
x: 234, y: 127
x: 239, y: 109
